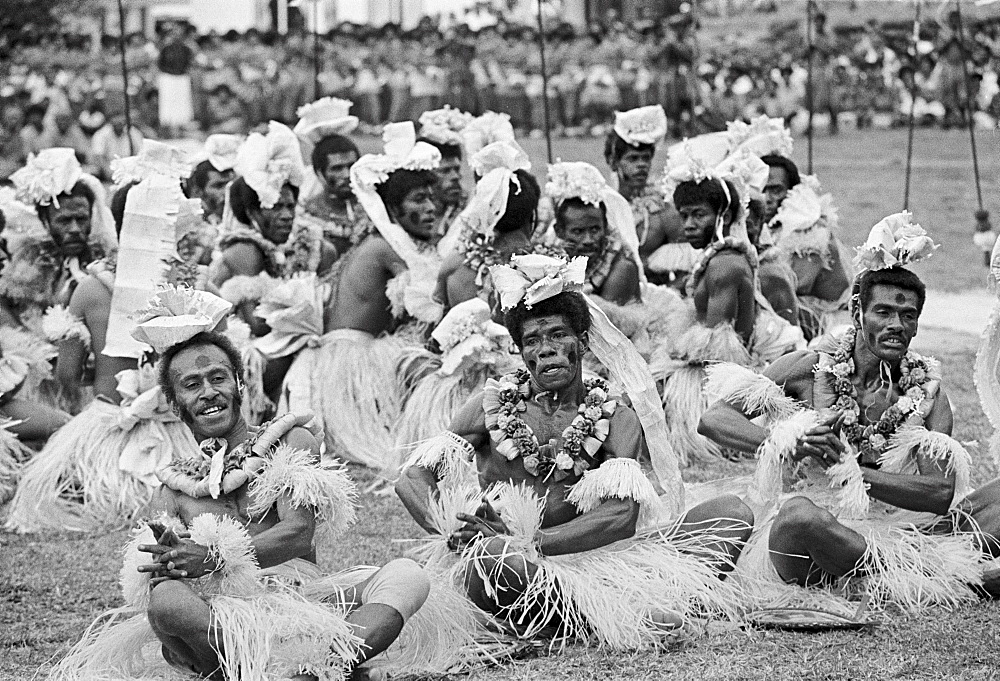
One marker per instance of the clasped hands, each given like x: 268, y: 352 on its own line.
x: 822, y: 442
x: 486, y: 522
x: 176, y: 556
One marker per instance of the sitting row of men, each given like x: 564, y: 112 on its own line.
x: 532, y: 369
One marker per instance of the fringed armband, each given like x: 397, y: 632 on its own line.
x: 909, y: 442
x: 293, y: 474
x: 755, y: 393
x: 231, y: 549
x: 852, y: 499
x: 700, y: 345
x: 59, y: 325
x: 616, y: 479
x: 395, y: 291
x: 778, y: 448
x: 243, y: 288
x: 521, y: 510
x: 444, y: 455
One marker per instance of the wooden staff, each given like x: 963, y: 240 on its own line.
x: 810, y: 95
x: 121, y: 49
x: 315, y: 49
x: 913, y: 103
x: 545, y: 83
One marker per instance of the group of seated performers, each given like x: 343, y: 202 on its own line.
x: 213, y: 356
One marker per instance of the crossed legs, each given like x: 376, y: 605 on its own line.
x: 807, y: 544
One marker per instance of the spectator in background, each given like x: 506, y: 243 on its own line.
x: 12, y: 153
x: 176, y: 108
x: 111, y: 141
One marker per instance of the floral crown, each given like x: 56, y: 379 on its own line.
x: 761, y: 136
x: 468, y: 330
x: 533, y: 278
x: 804, y: 206
x: 496, y: 165
x: 268, y: 162
x: 221, y: 151
x: 696, y: 160
x: 444, y: 126
x: 326, y: 116
x: 176, y: 314
x: 402, y: 152
x: 576, y: 179
x: 645, y: 125
x: 486, y: 129
x: 154, y: 158
x: 46, y: 175
x: 896, y: 241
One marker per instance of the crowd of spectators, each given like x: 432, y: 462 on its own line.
x: 65, y: 90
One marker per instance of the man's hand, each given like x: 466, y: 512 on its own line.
x: 177, y: 557
x: 486, y: 522
x: 822, y: 443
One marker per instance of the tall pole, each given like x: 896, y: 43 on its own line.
x: 545, y: 83
x: 968, y: 104
x: 121, y: 49
x: 810, y: 86
x: 315, y: 49
x: 913, y: 103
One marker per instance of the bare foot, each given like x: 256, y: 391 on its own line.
x: 991, y: 583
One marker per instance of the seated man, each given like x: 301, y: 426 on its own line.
x: 881, y: 491
x: 629, y: 150
x: 442, y: 129
x: 823, y: 281
x: 557, y: 460
x: 386, y: 280
x: 775, y: 274
x: 232, y: 534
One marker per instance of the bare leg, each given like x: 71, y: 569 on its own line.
x: 183, y: 623
x: 807, y: 541
x: 984, y: 507
x: 726, y: 521
x: 509, y: 573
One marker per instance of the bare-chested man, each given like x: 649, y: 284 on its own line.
x: 505, y: 427
x: 775, y: 274
x: 442, y: 129
x: 865, y: 389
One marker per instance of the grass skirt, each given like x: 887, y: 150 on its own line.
x: 13, y: 454
x: 75, y: 483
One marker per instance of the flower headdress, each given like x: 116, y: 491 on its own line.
x: 896, y: 241
x: 804, y: 206
x: 23, y: 226
x: 444, y: 126
x: 486, y: 129
x: 154, y: 158
x: 402, y: 152
x: 581, y: 180
x: 645, y: 125
x: 267, y: 162
x: 468, y: 333
x: 46, y: 175
x: 221, y: 151
x: 533, y: 278
x: 175, y: 315
x: 326, y: 116
x: 761, y: 136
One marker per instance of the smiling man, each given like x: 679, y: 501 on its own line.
x: 876, y: 430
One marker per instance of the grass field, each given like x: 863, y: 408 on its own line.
x: 51, y: 587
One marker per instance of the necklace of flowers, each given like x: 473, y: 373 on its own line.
x: 728, y: 243
x: 303, y: 251
x: 871, y: 440
x: 504, y: 402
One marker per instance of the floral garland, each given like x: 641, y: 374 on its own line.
x: 480, y: 254
x: 917, y: 373
x: 504, y: 401
x: 729, y: 243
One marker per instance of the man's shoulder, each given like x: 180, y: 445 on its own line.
x: 243, y: 257
x: 728, y: 264
x: 793, y: 367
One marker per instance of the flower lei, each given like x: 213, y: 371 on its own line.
x: 504, y: 401
x: 871, y: 440
x: 729, y: 243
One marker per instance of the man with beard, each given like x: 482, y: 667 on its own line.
x: 554, y: 541
x: 442, y: 129
x: 629, y: 150
x: 235, y: 535
x: 871, y: 444
x: 822, y: 278
x: 212, y: 174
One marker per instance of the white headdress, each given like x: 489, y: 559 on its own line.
x: 530, y: 279
x: 154, y: 158
x: 645, y: 125
x: 896, y: 241
x: 577, y: 179
x: 761, y: 136
x: 268, y: 162
x: 486, y: 129
x: 175, y: 315
x: 220, y: 150
x: 326, y: 116
x: 467, y: 335
x: 444, y: 126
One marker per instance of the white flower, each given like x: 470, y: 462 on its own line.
x: 564, y: 461
x: 905, y: 404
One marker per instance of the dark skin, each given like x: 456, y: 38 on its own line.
x: 583, y: 230
x: 449, y: 174
x: 457, y: 281
x: 888, y: 324
x: 69, y: 225
x: 213, y: 194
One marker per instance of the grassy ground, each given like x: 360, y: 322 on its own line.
x: 51, y: 587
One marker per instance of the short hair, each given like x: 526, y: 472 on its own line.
x: 575, y: 202
x: 615, y: 147
x: 118, y: 205
x: 572, y: 306
x: 899, y: 277
x: 332, y: 144
x: 447, y: 149
x: 80, y: 189
x: 708, y: 191
x: 401, y: 182
x: 199, y: 177
x: 243, y: 199
x: 198, y: 340
x: 521, y: 204
x: 778, y: 161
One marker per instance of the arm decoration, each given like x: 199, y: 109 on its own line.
x: 700, y: 345
x: 231, y: 548
x: 755, y: 393
x: 909, y: 442
x: 59, y: 325
x: 852, y: 499
x: 776, y: 450
x: 444, y: 455
x: 243, y: 288
x: 293, y: 474
x: 521, y: 510
x: 616, y: 479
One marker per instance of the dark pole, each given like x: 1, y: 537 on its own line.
x: 545, y: 83
x: 913, y: 102
x: 810, y: 94
x: 968, y: 104
x: 315, y: 49
x: 121, y: 49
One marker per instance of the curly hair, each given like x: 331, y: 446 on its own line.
x: 787, y: 164
x: 400, y: 183
x: 574, y: 202
x: 81, y: 190
x: 329, y: 145
x: 572, y: 306
x: 615, y: 147
x: 243, y: 199
x: 899, y: 277
x: 202, y: 339
x: 709, y: 191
